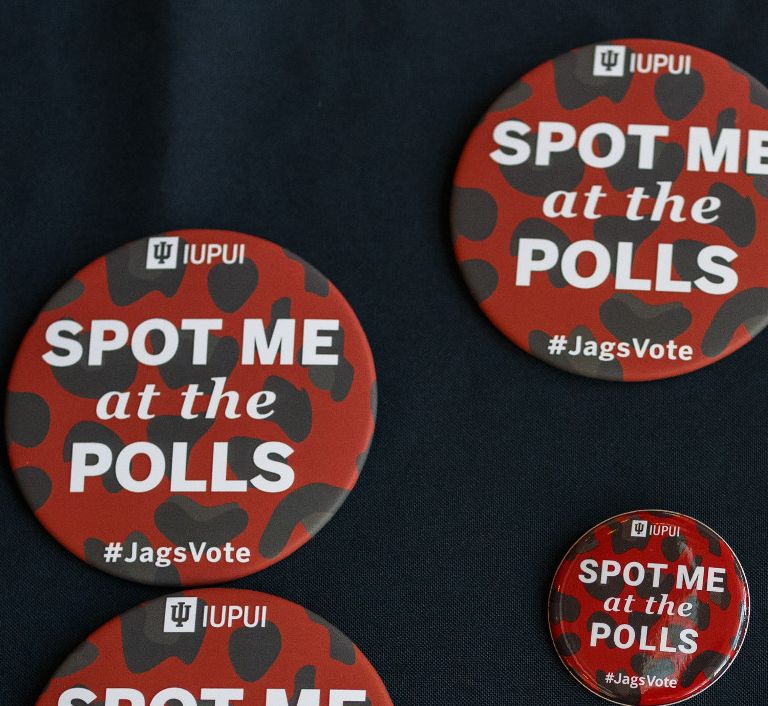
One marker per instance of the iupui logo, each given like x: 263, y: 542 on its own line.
x: 643, y: 528
x: 611, y: 60
x: 181, y: 615
x: 163, y: 253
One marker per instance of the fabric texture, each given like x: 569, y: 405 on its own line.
x: 333, y: 128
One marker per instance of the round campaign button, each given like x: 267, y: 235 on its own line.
x: 648, y: 608
x: 610, y: 211
x: 191, y: 408
x: 217, y: 647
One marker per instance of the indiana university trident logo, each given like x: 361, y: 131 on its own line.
x: 180, y: 614
x: 609, y: 60
x: 162, y: 253
x: 639, y: 528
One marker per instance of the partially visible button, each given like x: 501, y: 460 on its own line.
x: 223, y: 647
x: 610, y: 210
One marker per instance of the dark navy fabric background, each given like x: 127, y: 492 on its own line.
x: 333, y: 128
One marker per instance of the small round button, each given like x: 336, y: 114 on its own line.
x: 649, y: 608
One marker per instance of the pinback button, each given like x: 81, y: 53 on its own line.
x: 609, y: 211
x: 223, y: 647
x: 649, y: 608
x: 191, y: 408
